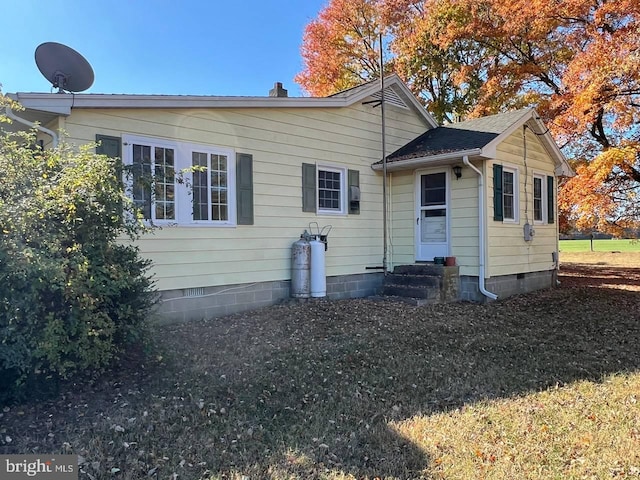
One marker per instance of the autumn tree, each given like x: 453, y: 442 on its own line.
x: 341, y: 48
x: 576, y: 61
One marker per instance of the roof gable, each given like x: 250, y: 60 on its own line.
x: 477, y: 137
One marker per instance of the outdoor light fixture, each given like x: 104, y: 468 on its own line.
x: 457, y: 170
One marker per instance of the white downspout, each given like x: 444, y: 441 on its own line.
x: 481, y: 219
x: 13, y: 116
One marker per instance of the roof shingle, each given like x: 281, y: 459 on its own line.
x: 468, y: 135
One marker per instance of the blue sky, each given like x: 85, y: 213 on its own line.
x: 208, y: 47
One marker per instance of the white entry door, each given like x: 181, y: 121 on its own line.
x: 432, y: 215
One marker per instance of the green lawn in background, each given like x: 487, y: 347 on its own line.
x: 613, y: 245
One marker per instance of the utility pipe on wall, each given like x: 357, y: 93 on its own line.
x: 384, y: 165
x: 481, y: 219
x: 13, y: 116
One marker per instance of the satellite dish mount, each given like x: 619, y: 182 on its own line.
x: 66, y: 69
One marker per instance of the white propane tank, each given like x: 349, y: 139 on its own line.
x: 301, y: 269
x: 318, y: 269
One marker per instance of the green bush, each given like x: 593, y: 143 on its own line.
x: 74, y: 291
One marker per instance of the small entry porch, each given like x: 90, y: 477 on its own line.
x: 423, y: 283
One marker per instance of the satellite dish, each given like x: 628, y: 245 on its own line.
x: 65, y: 68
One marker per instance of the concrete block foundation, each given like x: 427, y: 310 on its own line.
x: 507, y: 285
x: 209, y: 302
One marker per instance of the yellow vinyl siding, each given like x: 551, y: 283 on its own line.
x: 464, y: 221
x: 508, y: 252
x: 463, y: 211
x: 402, y: 218
x: 280, y: 140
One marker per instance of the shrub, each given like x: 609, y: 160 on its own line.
x: 74, y: 291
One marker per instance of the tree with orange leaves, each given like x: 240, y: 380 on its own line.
x: 341, y: 48
x: 576, y: 61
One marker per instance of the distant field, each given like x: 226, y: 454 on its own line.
x: 622, y: 253
x: 599, y: 246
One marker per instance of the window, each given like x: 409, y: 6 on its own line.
x: 331, y: 190
x: 539, y: 199
x: 506, y: 206
x: 185, y: 184
x: 210, y: 187
x: 161, y: 161
x: 434, y: 189
x: 324, y: 190
x: 509, y: 194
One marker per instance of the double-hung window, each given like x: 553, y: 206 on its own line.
x: 539, y: 199
x: 154, y: 180
x: 506, y: 206
x: 180, y: 183
x: 210, y: 187
x: 509, y: 196
x: 331, y: 188
x: 543, y: 198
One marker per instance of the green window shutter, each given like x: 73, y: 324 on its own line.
x: 551, y: 212
x: 353, y: 181
x: 244, y: 188
x: 497, y: 192
x: 109, y: 146
x: 308, y: 187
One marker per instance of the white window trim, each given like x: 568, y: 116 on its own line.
x: 516, y: 194
x: 183, y: 164
x: 545, y: 210
x: 343, y: 190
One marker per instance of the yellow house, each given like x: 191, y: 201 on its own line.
x: 268, y: 167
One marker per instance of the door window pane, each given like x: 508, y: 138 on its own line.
x: 434, y: 226
x: 434, y: 189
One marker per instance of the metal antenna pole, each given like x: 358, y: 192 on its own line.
x: 384, y: 165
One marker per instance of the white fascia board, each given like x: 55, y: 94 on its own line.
x: 59, y: 104
x: 431, y: 161
x: 62, y: 103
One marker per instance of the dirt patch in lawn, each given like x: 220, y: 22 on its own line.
x: 586, y: 275
x: 312, y: 390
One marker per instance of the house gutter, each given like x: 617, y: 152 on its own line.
x: 481, y: 234
x: 13, y: 116
x: 426, y: 161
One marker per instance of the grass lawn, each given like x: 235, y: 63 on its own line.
x: 605, y: 252
x: 539, y: 386
x: 613, y: 245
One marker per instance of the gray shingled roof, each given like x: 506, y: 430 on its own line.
x: 457, y: 137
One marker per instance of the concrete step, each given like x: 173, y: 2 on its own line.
x: 422, y: 283
x: 425, y: 269
x: 434, y: 281
x: 425, y: 293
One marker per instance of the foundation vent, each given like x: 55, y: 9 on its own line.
x: 194, y: 292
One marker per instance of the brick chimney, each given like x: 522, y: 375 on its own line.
x: 278, y: 91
